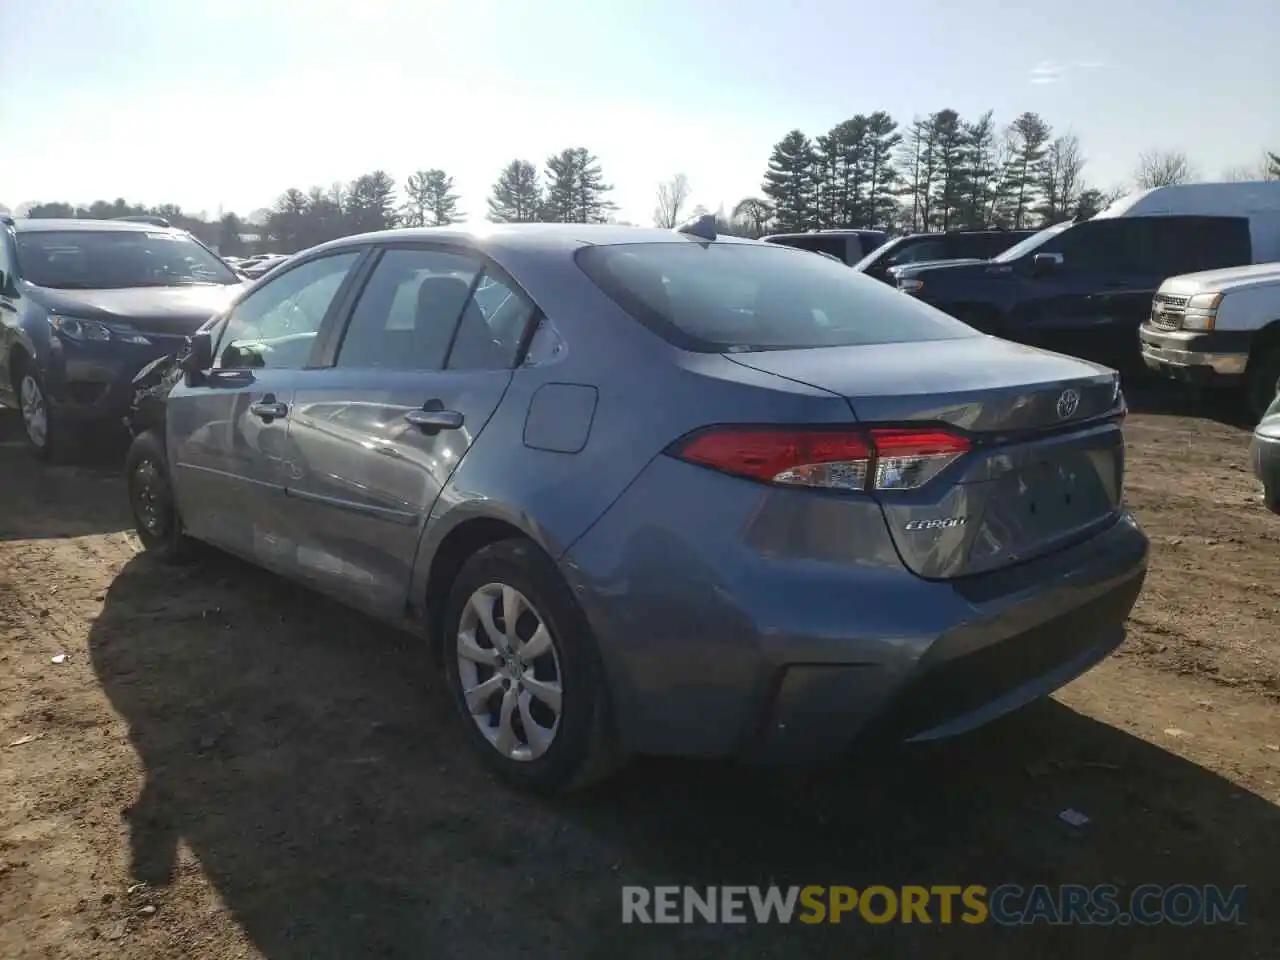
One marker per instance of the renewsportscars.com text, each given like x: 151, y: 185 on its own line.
x: 1005, y: 905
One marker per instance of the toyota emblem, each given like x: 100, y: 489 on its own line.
x: 1068, y: 403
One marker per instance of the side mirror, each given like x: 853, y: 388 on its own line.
x: 199, y: 355
x: 1045, y: 263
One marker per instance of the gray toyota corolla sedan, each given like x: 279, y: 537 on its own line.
x: 654, y: 491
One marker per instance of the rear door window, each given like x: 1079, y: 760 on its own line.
x: 729, y: 297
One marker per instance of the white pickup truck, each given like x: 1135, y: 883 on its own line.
x: 1219, y: 328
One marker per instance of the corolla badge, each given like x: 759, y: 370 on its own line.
x: 940, y: 523
x: 1068, y: 403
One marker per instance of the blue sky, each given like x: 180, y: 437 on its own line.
x: 226, y: 103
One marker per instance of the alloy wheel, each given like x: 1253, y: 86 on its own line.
x: 35, y: 414
x: 509, y: 672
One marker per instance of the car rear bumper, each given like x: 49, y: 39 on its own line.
x: 777, y: 658
x: 1209, y: 357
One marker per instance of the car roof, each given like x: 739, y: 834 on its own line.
x: 23, y: 225
x: 528, y: 236
x: 859, y: 232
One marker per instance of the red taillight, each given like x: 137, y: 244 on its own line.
x: 907, y: 459
x: 887, y: 458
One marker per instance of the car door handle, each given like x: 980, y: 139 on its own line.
x: 435, y: 419
x: 268, y: 410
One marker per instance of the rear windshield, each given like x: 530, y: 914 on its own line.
x: 116, y: 259
x: 729, y: 297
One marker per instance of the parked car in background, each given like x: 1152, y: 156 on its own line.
x: 1085, y: 287
x: 956, y: 246
x: 847, y: 246
x: 843, y: 512
x: 1219, y: 328
x: 84, y: 304
x: 256, y: 267
x: 1264, y: 452
x: 144, y: 218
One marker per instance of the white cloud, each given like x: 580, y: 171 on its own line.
x: 1051, y: 71
x: 1047, y: 71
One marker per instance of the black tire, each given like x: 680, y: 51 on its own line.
x: 583, y: 749
x: 155, y: 518
x: 1263, y: 379
x: 58, y: 440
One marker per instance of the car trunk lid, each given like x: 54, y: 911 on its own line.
x: 1047, y: 455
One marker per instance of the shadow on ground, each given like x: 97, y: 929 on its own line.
x: 308, y: 760
x: 1150, y: 394
x: 79, y: 498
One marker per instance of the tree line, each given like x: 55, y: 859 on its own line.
x: 569, y: 189
x: 944, y: 172
x: 939, y: 172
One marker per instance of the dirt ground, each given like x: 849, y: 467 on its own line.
x: 228, y: 766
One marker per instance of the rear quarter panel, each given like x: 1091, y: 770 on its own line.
x: 648, y: 394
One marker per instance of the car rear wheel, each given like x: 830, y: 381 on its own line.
x: 155, y: 512
x: 524, y: 673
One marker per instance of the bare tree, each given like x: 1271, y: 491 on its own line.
x: 1261, y: 169
x: 1163, y: 168
x: 754, y: 214
x: 1061, y: 183
x: 673, y: 194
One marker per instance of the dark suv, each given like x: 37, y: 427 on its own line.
x: 85, y: 304
x: 1083, y: 287
x: 847, y: 246
x: 884, y: 262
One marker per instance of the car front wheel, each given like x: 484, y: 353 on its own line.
x: 43, y: 432
x: 155, y: 512
x: 524, y: 673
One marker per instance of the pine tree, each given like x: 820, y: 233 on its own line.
x: 441, y: 207
x: 517, y: 194
x: 1025, y: 168
x: 882, y: 178
x: 325, y: 220
x: 576, y: 188
x: 229, y: 230
x: 790, y: 182
x: 949, y: 152
x: 371, y: 203
x: 287, y: 222
x: 981, y: 180
x: 1088, y: 203
x: 840, y: 171
x: 417, y: 200
x: 1273, y: 165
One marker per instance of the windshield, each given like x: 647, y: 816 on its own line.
x: 115, y: 259
x: 1029, y: 244
x: 729, y: 297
